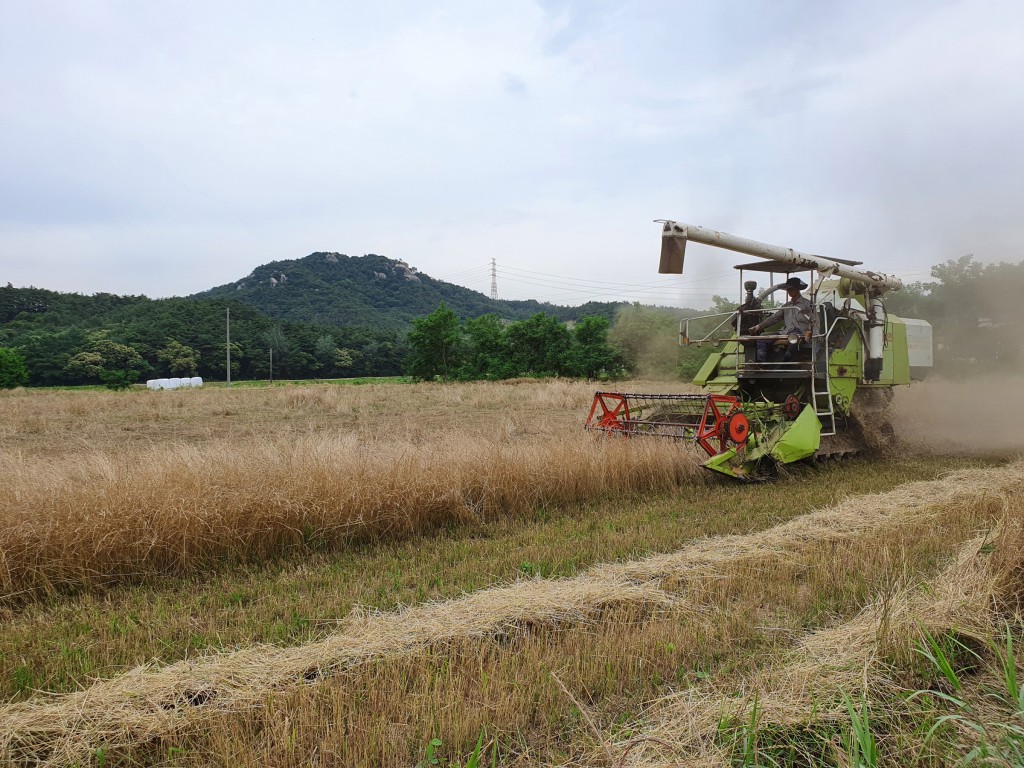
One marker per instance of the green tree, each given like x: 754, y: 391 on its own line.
x: 49, y: 328
x: 721, y: 305
x: 344, y: 359
x: 181, y: 360
x: 47, y: 354
x: 486, y: 351
x: 276, y: 340
x: 325, y: 350
x: 330, y: 358
x: 913, y: 300
x: 217, y: 368
x: 436, y: 345
x: 975, y: 311
x: 117, y: 366
x: 648, y: 338
x: 277, y: 349
x: 13, y: 371
x: 86, y: 365
x: 538, y: 346
x: 591, y: 356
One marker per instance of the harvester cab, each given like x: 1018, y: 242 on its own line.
x: 811, y: 378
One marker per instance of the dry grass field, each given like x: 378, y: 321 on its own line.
x: 108, y: 488
x: 390, y: 574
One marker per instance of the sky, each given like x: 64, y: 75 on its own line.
x: 165, y: 148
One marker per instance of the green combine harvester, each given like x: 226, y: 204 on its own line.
x: 810, y: 379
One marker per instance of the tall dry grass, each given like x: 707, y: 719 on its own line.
x: 91, y: 516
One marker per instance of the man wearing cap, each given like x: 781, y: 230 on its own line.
x: 796, y: 315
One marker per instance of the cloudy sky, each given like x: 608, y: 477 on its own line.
x: 165, y: 148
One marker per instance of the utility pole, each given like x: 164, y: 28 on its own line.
x: 229, y: 346
x: 494, y: 280
x: 271, y: 365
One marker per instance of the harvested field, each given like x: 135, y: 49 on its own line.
x: 564, y: 601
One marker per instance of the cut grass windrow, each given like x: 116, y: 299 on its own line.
x: 189, y: 698
x: 809, y: 688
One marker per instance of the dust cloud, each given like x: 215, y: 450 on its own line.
x: 961, y: 416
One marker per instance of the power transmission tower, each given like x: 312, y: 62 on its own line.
x: 494, y: 280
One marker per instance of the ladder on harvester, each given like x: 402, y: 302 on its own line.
x: 821, y: 399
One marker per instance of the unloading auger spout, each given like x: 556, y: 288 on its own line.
x: 818, y: 385
x: 673, y: 250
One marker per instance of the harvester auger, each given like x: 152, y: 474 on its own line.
x: 775, y: 398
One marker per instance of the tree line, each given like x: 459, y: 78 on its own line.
x: 69, y: 339
x: 975, y: 312
x: 443, y: 346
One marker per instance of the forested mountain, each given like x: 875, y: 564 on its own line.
x: 338, y: 290
x: 323, y: 315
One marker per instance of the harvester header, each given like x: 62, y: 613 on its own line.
x: 673, y: 248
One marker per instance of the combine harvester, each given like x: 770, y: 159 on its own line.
x: 776, y: 398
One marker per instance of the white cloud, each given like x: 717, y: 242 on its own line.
x: 217, y: 137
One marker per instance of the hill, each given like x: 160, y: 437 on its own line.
x: 338, y: 290
x: 324, y: 315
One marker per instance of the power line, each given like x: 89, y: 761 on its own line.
x: 609, y: 295
x: 670, y: 283
x: 622, y: 288
x: 474, y: 271
x: 585, y: 280
x: 483, y: 271
x: 566, y: 288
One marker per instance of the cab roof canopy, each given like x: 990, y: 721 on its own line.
x: 784, y: 268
